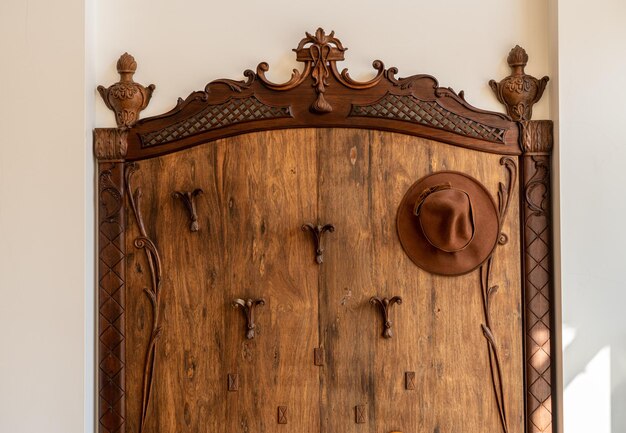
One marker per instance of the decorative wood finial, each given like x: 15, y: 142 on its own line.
x: 126, y: 98
x: 519, y: 91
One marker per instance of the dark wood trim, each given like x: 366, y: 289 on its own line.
x: 538, y: 275
x: 111, y: 298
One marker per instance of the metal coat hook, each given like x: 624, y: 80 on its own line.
x: 248, y: 307
x: 189, y: 200
x: 385, y: 306
x: 318, y: 231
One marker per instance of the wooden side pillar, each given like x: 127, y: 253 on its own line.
x: 538, y: 273
x: 110, y: 149
x: 519, y: 92
x: 126, y: 99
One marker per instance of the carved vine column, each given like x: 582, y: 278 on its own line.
x: 126, y: 98
x: 518, y: 92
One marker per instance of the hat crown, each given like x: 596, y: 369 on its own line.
x: 448, y: 223
x: 446, y: 217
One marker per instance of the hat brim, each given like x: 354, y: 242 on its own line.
x: 428, y: 257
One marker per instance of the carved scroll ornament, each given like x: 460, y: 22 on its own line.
x: 320, y: 53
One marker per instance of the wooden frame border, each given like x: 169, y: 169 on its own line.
x: 321, y: 96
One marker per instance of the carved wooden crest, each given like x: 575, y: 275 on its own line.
x: 318, y: 96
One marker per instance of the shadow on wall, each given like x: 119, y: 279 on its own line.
x: 594, y: 345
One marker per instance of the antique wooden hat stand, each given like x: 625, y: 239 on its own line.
x: 249, y: 257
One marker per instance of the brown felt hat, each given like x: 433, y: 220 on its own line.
x: 448, y: 223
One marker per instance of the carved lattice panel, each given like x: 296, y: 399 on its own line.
x: 112, y: 294
x: 430, y: 113
x: 537, y: 237
x: 235, y: 110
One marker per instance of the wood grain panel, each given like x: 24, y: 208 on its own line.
x: 349, y: 327
x: 437, y: 329
x: 269, y: 188
x: 258, y: 190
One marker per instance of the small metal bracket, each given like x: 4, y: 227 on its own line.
x: 360, y: 414
x: 233, y: 382
x: 282, y: 414
x: 409, y: 380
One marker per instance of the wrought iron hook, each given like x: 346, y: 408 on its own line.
x: 317, y: 231
x: 189, y: 200
x: 248, y: 309
x: 385, y: 305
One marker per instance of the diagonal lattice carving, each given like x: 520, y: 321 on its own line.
x: 429, y: 113
x: 235, y: 110
x: 111, y: 283
x: 538, y: 288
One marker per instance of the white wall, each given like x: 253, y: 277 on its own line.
x: 592, y: 113
x: 46, y: 240
x: 47, y: 105
x: 181, y: 46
